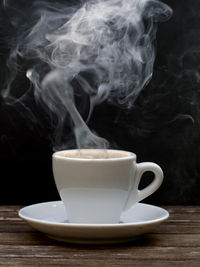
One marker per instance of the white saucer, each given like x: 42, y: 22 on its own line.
x: 51, y: 219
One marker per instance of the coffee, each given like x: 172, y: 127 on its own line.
x: 94, y: 154
x: 97, y: 185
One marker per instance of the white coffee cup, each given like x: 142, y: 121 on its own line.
x: 95, y: 189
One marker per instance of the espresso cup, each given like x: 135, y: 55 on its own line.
x: 96, y: 186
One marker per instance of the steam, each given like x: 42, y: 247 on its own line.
x: 107, y: 47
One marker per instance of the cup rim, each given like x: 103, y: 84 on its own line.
x: 130, y: 156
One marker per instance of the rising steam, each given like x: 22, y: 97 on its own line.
x: 107, y: 47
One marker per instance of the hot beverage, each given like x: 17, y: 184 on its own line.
x: 94, y: 154
x: 97, y: 185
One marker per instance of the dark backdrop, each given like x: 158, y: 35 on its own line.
x: 162, y: 126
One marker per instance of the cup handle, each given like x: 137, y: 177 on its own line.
x: 137, y: 195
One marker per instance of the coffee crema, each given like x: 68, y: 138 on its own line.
x: 94, y: 154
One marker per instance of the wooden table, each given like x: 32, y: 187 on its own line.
x: 175, y: 243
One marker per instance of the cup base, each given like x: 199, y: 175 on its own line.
x: 93, y: 206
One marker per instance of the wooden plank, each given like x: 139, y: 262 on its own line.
x: 15, y: 227
x: 24, y: 239
x: 117, y: 253
x: 100, y: 262
x: 9, y: 215
x: 184, y: 216
x: 167, y: 228
x: 10, y: 208
x: 71, y: 262
x: 182, y: 209
x: 175, y: 243
x: 149, y: 240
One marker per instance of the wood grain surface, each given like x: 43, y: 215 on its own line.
x: 175, y: 243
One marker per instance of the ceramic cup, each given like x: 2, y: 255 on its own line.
x: 97, y: 186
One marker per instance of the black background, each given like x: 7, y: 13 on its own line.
x: 162, y: 126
